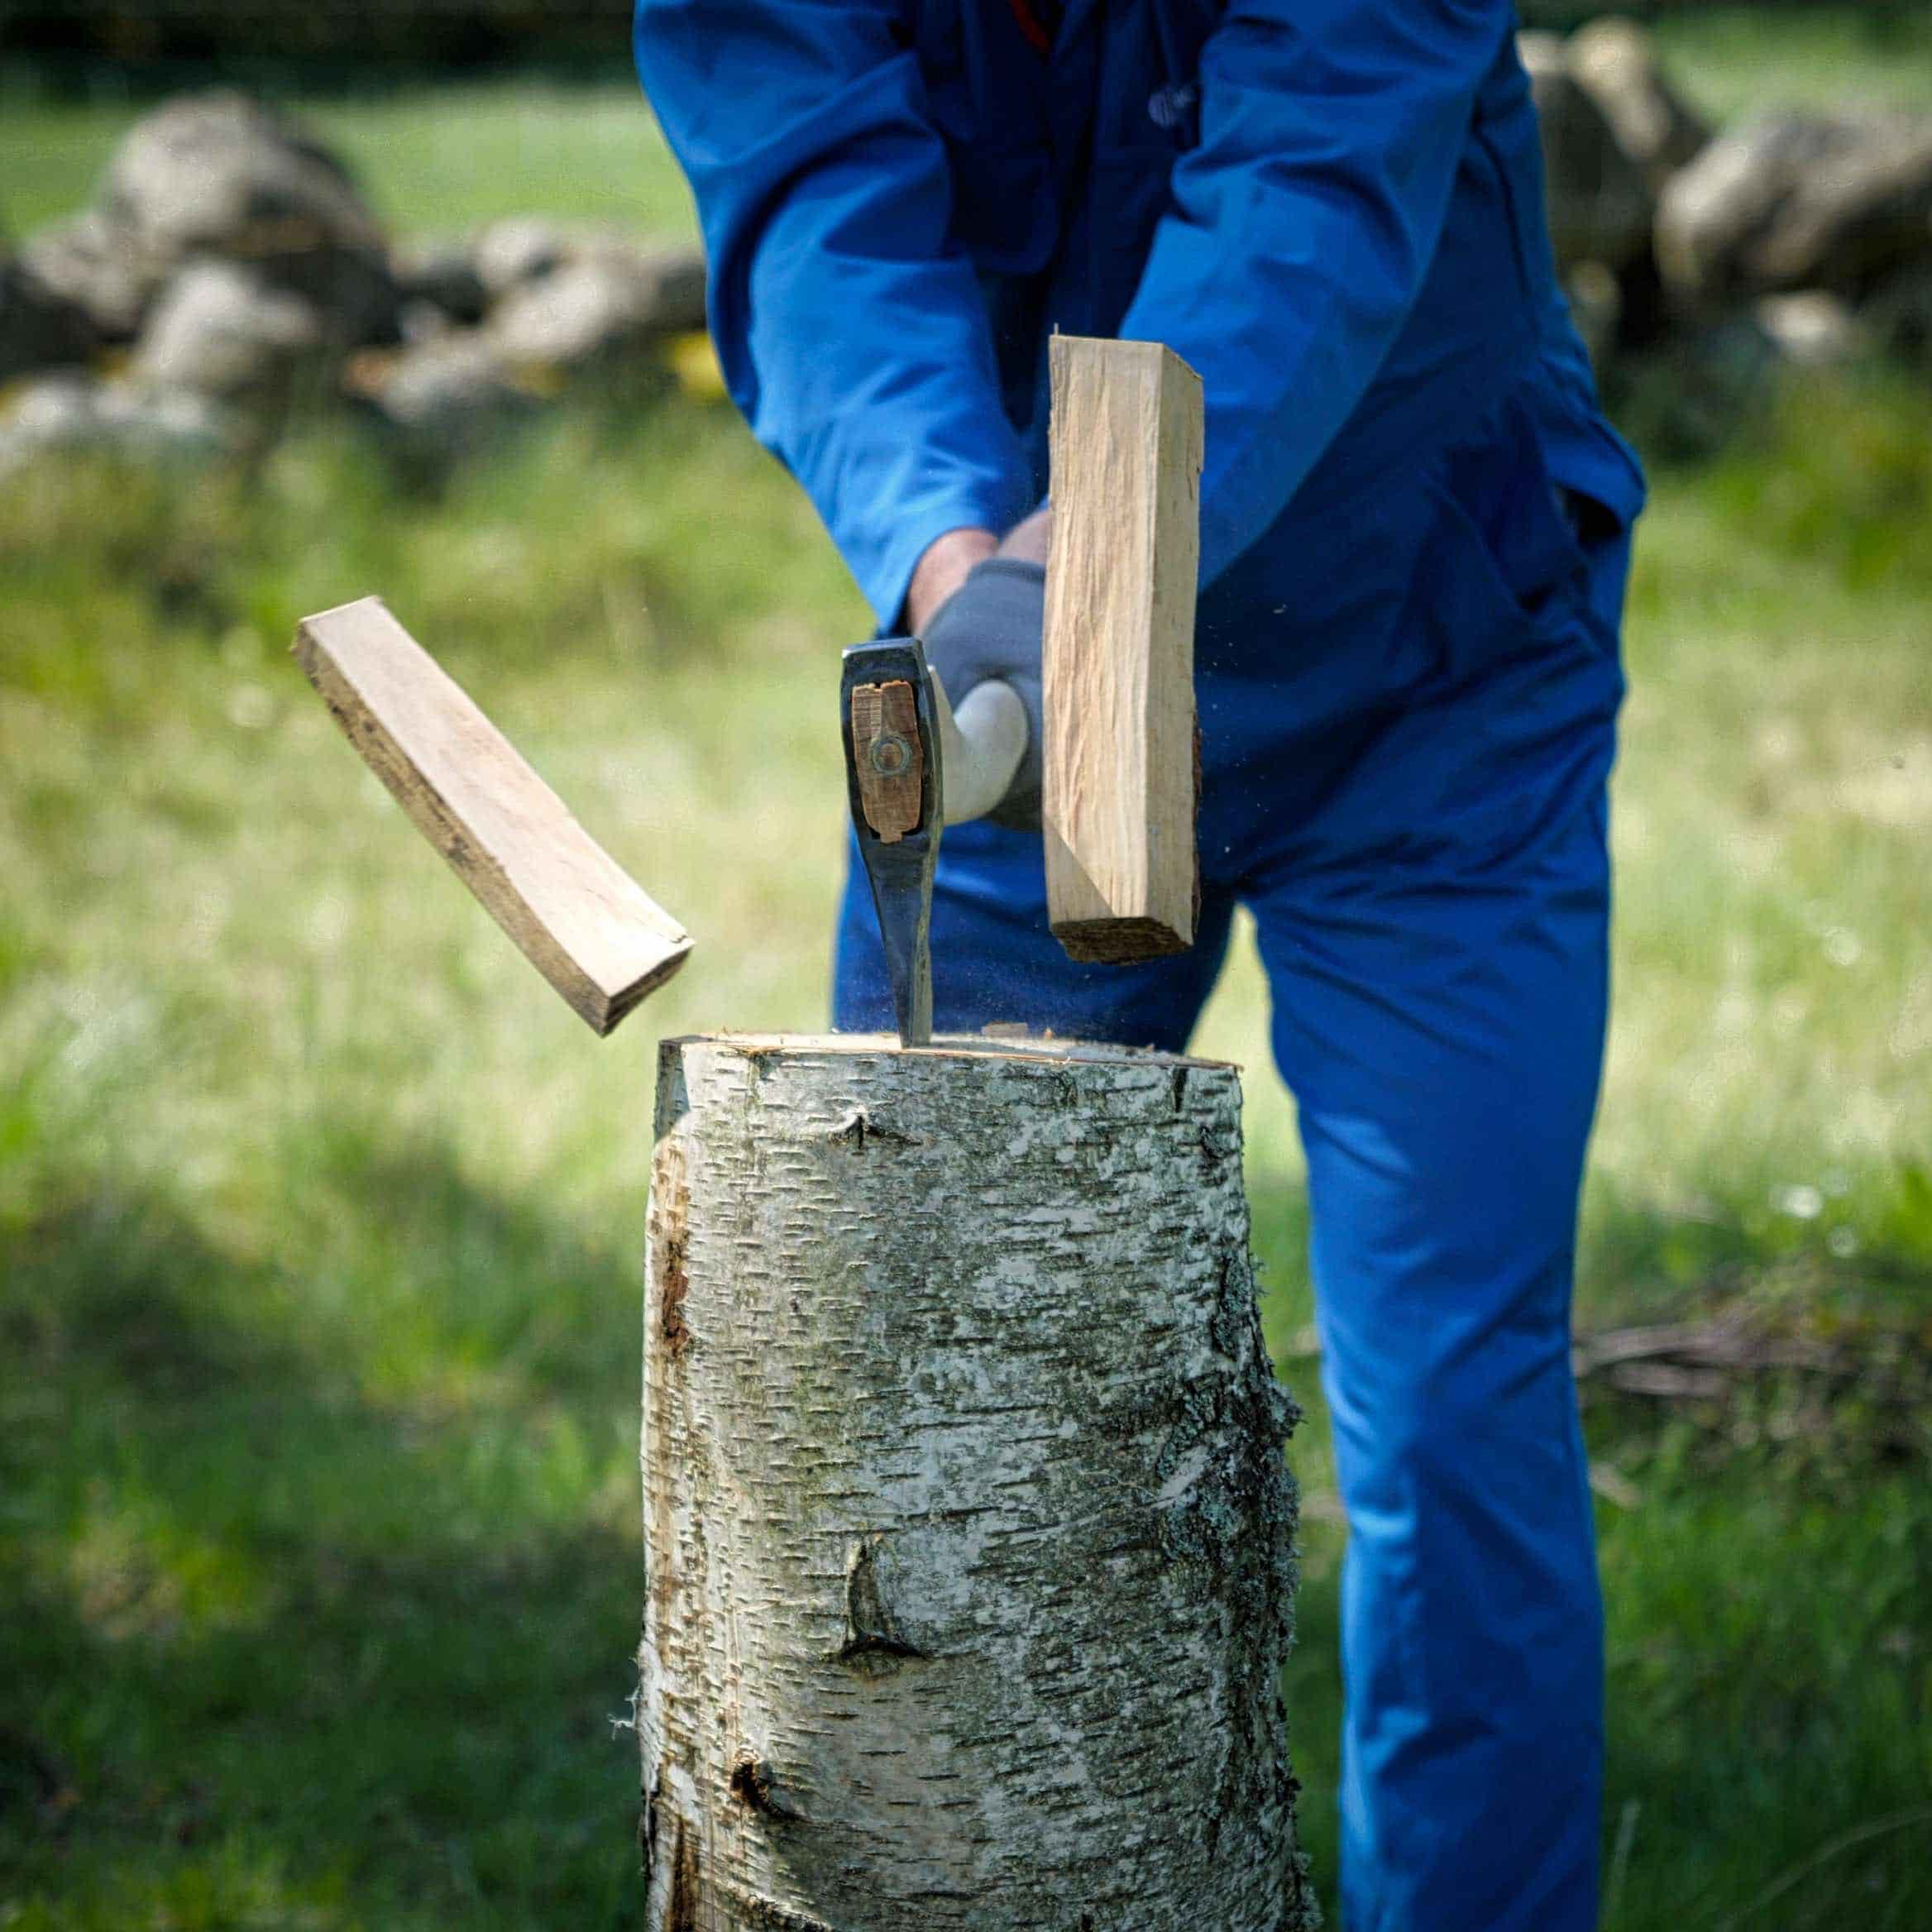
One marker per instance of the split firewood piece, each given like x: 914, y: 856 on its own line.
x: 579, y: 918
x: 1120, y: 760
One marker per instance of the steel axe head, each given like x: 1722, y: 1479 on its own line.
x: 894, y: 783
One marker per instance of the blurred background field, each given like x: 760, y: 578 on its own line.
x: 321, y: 1221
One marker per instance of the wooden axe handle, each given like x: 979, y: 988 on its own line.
x: 1123, y: 871
x: 580, y: 919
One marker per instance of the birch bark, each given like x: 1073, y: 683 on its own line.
x: 968, y: 1534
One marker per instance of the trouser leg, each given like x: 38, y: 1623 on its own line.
x: 1435, y: 944
x: 1443, y: 1160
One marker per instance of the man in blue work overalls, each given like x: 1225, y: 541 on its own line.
x: 1414, y: 528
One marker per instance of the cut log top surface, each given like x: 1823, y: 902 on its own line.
x: 960, y: 1046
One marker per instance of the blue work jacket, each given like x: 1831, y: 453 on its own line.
x: 1333, y: 209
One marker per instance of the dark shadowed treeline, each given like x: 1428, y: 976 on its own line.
x: 347, y: 35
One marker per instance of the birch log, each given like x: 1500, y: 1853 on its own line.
x: 968, y: 1535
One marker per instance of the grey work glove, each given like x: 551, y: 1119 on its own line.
x: 990, y: 628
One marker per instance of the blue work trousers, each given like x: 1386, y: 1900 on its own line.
x: 1407, y: 788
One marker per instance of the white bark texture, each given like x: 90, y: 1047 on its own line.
x: 968, y: 1535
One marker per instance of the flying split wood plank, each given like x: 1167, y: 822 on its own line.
x: 580, y: 919
x: 1120, y: 769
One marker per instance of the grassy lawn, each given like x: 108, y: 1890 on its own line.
x: 320, y: 1218
x: 442, y: 157
x: 435, y: 158
x: 1733, y: 58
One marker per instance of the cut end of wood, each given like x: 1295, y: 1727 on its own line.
x: 966, y: 1047
x: 605, y: 1017
x: 587, y: 926
x: 1119, y: 942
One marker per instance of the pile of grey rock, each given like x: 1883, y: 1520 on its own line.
x: 230, y: 273
x: 230, y: 276
x: 1804, y: 236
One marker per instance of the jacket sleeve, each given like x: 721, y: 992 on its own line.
x: 850, y: 329
x: 1303, y: 223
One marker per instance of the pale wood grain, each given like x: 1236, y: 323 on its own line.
x: 580, y: 919
x: 1122, y: 874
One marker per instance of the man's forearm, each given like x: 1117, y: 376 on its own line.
x: 1027, y: 539
x: 947, y: 560
x: 942, y: 567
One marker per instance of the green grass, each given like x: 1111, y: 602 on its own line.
x: 434, y: 159
x: 320, y: 1217
x: 443, y: 157
x: 1770, y: 1648
x: 1731, y: 58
